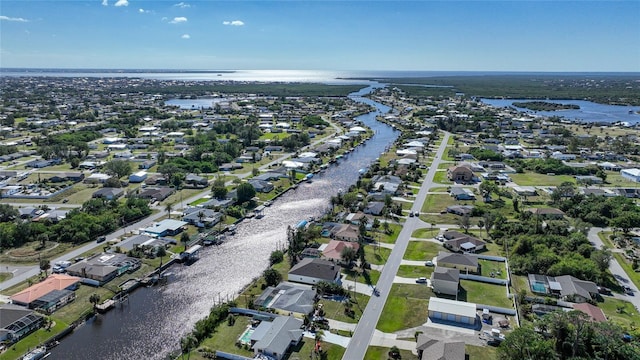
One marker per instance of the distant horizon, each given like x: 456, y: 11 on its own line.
x: 475, y: 35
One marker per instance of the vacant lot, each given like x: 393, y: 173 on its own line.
x: 436, y: 203
x: 410, y: 271
x: 406, y: 307
x: 422, y: 250
x: 534, y: 179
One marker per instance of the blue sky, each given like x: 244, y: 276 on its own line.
x: 322, y: 35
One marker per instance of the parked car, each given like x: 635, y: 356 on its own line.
x: 421, y: 280
x: 101, y: 239
x: 627, y: 290
x: 603, y: 290
x: 428, y: 263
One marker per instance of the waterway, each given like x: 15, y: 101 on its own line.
x: 588, y: 112
x: 150, y: 324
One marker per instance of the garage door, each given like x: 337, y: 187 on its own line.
x: 436, y: 315
x: 451, y: 317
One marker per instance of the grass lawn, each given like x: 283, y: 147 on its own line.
x: 305, y: 347
x: 447, y: 154
x: 370, y: 278
x: 377, y: 255
x: 493, y: 249
x: 628, y: 316
x: 604, y: 236
x: 480, y: 352
x: 406, y: 307
x: 78, y: 194
x: 410, y: 271
x: 382, y: 353
x: 441, y: 178
x: 425, y: 233
x: 439, y: 189
x: 616, y: 180
x: 534, y: 179
x: 520, y: 282
x: 487, y: 267
x: 28, y: 254
x: 255, y: 288
x: 5, y: 276
x: 335, y: 310
x: 388, y: 238
x: 436, y: 203
x: 422, y: 250
x: 444, y: 166
x: 32, y: 341
x: 444, y: 219
x: 181, y: 195
x: 486, y: 294
x: 225, y: 337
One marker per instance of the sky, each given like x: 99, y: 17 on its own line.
x: 322, y: 35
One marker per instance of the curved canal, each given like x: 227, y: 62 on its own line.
x: 150, y: 325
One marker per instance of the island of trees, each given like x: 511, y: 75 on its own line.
x: 545, y: 106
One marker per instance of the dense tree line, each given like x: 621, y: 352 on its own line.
x: 96, y: 217
x: 617, y: 211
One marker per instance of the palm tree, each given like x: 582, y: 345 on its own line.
x: 94, y: 299
x: 168, y: 208
x: 161, y: 252
x: 187, y: 343
x: 319, y: 336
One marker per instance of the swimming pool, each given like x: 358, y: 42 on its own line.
x: 538, y: 287
x: 245, y: 338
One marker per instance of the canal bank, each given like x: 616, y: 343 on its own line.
x: 151, y: 324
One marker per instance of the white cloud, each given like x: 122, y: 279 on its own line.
x: 6, y: 18
x: 182, y: 4
x: 143, y: 11
x: 233, y: 23
x: 186, y: 36
x: 105, y: 3
x: 122, y: 3
x: 178, y: 20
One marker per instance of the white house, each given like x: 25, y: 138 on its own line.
x: 631, y: 174
x: 452, y: 311
x: 138, y: 177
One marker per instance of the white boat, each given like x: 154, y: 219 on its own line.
x: 36, y: 354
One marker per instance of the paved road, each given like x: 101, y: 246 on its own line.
x: 22, y: 273
x: 616, y: 269
x: 367, y: 325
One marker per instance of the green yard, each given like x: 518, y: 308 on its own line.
x: 335, y: 310
x: 388, y: 238
x: 535, y: 179
x: 498, y: 269
x: 422, y: 250
x: 441, y: 178
x: 425, y: 233
x: 32, y: 341
x: 482, y: 293
x: 369, y: 277
x: 481, y: 352
x: 620, y: 311
x: 377, y: 255
x: 225, y: 337
x: 435, y: 203
x: 406, y: 307
x: 382, y: 353
x: 410, y: 271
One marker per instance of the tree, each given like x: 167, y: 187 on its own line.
x: 601, y: 258
x: 486, y: 188
x: 465, y: 222
x: 168, y: 208
x: 276, y: 257
x: 245, y: 192
x: 524, y: 343
x: 564, y: 190
x: 8, y: 213
x: 394, y: 353
x: 348, y: 255
x: 161, y: 252
x: 45, y: 265
x: 184, y: 238
x: 187, y: 344
x: 218, y: 188
x: 272, y: 277
x: 94, y: 299
x: 118, y: 168
x: 626, y: 221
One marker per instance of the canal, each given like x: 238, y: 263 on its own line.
x: 150, y: 324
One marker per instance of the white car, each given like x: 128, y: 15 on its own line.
x: 421, y: 280
x: 429, y: 263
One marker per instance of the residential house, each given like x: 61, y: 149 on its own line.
x: 311, y: 271
x: 261, y: 185
x: 460, y: 242
x: 156, y: 194
x: 445, y: 280
x: 451, y: 311
x: 288, y: 299
x: 460, y: 210
x: 386, y: 184
x: 588, y: 179
x: 595, y: 313
x: 460, y: 193
x: 195, y: 181
x: 166, y: 227
x: 631, y: 174
x: 432, y: 349
x: 460, y: 174
x: 147, y: 164
x: 374, y: 208
x: 464, y: 262
x: 108, y: 193
x: 33, y: 296
x: 346, y: 232
x: 525, y: 190
x: 547, y: 213
x: 566, y: 287
x: 201, y: 217
x: 138, y: 177
x: 17, y: 322
x: 102, y: 268
x: 274, y: 338
x: 333, y: 250
x: 67, y: 176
